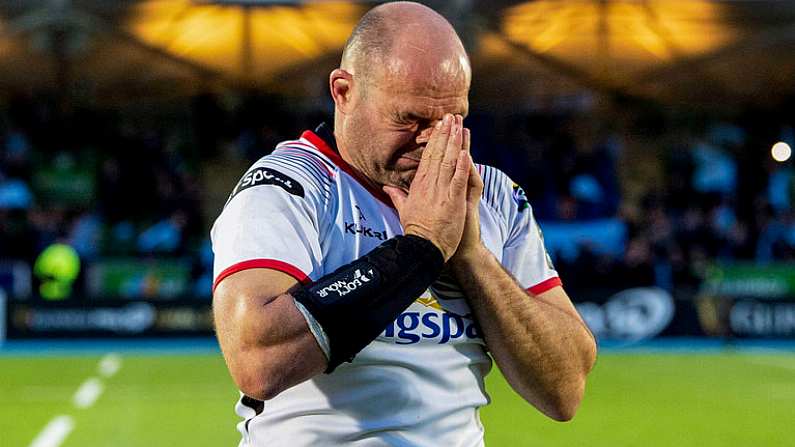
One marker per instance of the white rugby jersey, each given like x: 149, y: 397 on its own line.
x: 303, y: 210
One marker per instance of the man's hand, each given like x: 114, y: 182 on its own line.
x: 435, y: 206
x: 470, y: 246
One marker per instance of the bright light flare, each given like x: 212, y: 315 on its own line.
x: 781, y: 152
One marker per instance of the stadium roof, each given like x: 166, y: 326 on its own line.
x: 696, y: 51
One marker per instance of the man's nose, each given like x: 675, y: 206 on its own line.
x: 424, y: 133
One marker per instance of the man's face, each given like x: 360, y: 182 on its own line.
x: 391, y: 125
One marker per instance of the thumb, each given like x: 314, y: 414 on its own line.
x: 475, y: 185
x: 397, y: 195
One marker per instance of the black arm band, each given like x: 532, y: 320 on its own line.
x: 356, y: 302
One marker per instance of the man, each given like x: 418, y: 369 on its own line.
x: 363, y: 275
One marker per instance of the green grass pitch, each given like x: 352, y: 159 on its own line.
x: 632, y: 400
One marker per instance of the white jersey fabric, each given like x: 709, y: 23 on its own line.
x: 302, y: 210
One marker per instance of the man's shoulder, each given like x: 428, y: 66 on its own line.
x: 303, y: 159
x: 500, y: 192
x: 288, y: 173
x: 294, y: 167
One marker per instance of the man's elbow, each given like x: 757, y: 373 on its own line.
x: 568, y: 396
x: 257, y: 380
x: 564, y: 411
x: 260, y: 388
x: 263, y: 373
x: 563, y: 415
x: 563, y: 404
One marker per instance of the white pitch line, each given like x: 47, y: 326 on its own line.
x: 54, y: 432
x: 110, y: 364
x: 87, y: 394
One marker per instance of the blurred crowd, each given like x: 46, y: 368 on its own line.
x: 103, y: 184
x: 630, y: 204
x: 684, y: 196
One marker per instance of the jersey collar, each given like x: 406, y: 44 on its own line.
x: 323, y: 139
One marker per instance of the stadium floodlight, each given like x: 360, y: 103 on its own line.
x: 272, y: 2
x: 781, y: 152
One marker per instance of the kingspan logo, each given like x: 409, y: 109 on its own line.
x: 345, y: 286
x: 442, y: 327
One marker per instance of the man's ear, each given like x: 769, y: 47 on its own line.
x: 341, y: 85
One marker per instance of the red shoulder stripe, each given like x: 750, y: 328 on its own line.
x: 272, y: 264
x: 544, y: 286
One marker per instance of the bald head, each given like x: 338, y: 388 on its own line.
x: 403, y: 69
x: 408, y: 41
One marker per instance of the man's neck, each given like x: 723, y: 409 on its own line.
x: 327, y: 135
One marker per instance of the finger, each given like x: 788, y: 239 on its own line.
x: 474, y: 185
x: 453, y: 148
x: 434, y: 150
x: 459, y: 181
x: 475, y: 179
x: 422, y: 168
x: 431, y: 143
x: 397, y: 195
x: 475, y: 182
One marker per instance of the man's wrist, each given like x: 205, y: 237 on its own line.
x: 368, y: 293
x: 465, y: 258
x: 416, y: 231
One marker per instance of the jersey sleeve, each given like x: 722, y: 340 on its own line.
x: 271, y: 221
x: 524, y: 254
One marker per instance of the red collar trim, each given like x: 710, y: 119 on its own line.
x: 335, y: 158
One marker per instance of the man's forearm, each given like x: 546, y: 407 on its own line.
x: 543, y: 350
x: 261, y: 337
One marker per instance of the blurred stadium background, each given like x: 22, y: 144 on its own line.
x: 653, y: 139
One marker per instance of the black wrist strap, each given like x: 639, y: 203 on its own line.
x: 356, y: 302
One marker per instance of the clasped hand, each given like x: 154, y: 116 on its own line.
x: 443, y: 200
